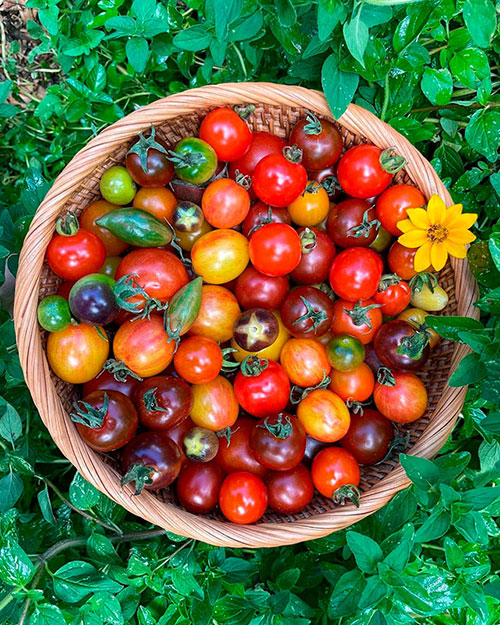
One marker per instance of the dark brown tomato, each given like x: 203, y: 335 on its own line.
x: 106, y: 381
x: 371, y: 358
x: 178, y: 432
x: 278, y: 442
x: 352, y: 223
x: 320, y: 141
x: 318, y: 252
x: 290, y: 491
x: 307, y: 312
x: 327, y: 178
x: 261, y: 214
x: 163, y: 402
x: 313, y: 447
x: 198, y: 486
x: 234, y: 449
x: 159, y: 170
x: 368, y: 437
x: 256, y: 290
x: 256, y: 329
x: 401, y: 346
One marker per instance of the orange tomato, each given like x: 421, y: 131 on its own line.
x: 214, y: 404
x: 305, y: 362
x: 159, y: 201
x: 198, y: 359
x: 225, y: 203
x: 272, y: 352
x: 401, y: 260
x: 114, y: 246
x: 219, y: 310
x: 416, y: 317
x: 143, y: 346
x: 77, y: 353
x: 310, y: 208
x: 220, y: 256
x: 187, y: 239
x: 356, y: 384
x: 324, y: 415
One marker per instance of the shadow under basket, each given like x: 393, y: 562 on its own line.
x: 277, y: 108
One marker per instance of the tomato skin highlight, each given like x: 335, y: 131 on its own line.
x: 198, y: 359
x: 227, y: 133
x: 334, y: 467
x: 360, y: 173
x: 220, y: 256
x: 236, y: 454
x: 356, y: 384
x: 355, y: 273
x: 266, y: 393
x: 324, y: 415
x: 368, y: 437
x: 198, y: 486
x: 393, y: 203
x: 215, y: 406
x: 225, y: 203
x: 275, y: 249
x: 277, y: 181
x: 404, y: 402
x: 243, y: 498
x: 73, y: 257
x: 219, y: 310
x: 290, y: 491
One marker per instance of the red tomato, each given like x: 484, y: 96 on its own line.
x: 256, y: 290
x: 261, y: 214
x: 318, y: 252
x: 275, y: 249
x: 307, y: 312
x: 262, y: 387
x: 163, y: 402
x: 198, y: 359
x: 106, y: 381
x: 305, y: 362
x: 278, y: 441
x: 332, y: 468
x: 290, y: 491
x: 243, y: 498
x: 227, y: 133
x: 405, y: 401
x: 114, y: 246
x: 393, y: 294
x: 392, y: 205
x: 361, y: 319
x: 225, y: 203
x: 365, y: 170
x: 401, y: 260
x: 320, y: 141
x: 278, y: 181
x: 177, y: 434
x: 234, y: 449
x: 352, y: 223
x: 219, y: 310
x: 368, y: 437
x: 215, y: 406
x: 324, y: 415
x: 355, y: 273
x: 198, y: 486
x: 356, y: 385
x: 73, y: 256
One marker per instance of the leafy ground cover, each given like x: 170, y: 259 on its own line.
x: 430, y: 69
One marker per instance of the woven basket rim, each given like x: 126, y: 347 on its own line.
x: 34, y: 362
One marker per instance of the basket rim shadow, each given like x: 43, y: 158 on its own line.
x: 36, y: 369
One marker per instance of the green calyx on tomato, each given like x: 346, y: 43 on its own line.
x: 356, y: 407
x: 145, y: 144
x: 139, y: 473
x: 67, y: 225
x: 136, y: 227
x: 183, y: 309
x: 244, y: 180
x: 252, y: 366
x: 88, y: 415
x: 317, y: 316
x: 313, y: 126
x: 151, y: 402
x: 292, y: 153
x: 119, y: 370
x: 414, y: 345
x: 194, y: 160
x: 297, y: 393
x: 227, y: 433
x: 390, y: 161
x: 387, y: 280
x: 347, y: 492
x: 359, y: 315
x: 308, y: 240
x: 281, y: 429
x: 330, y: 184
x: 127, y: 288
x: 229, y: 365
x: 386, y: 377
x: 365, y: 227
x: 421, y: 280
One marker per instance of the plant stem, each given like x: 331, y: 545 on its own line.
x: 240, y: 57
x: 385, y: 103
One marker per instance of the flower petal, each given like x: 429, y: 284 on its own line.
x: 405, y: 225
x: 423, y: 257
x: 452, y: 212
x: 456, y: 249
x: 419, y: 217
x: 436, y: 210
x: 460, y: 236
x: 414, y: 238
x: 439, y: 255
x: 463, y: 221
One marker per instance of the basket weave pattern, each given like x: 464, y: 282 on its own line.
x: 278, y: 107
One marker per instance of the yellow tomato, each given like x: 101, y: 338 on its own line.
x: 310, y: 208
x: 187, y: 239
x: 272, y: 352
x: 416, y: 317
x: 214, y: 404
x: 220, y: 256
x: 219, y: 310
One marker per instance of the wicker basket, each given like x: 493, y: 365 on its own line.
x: 277, y: 108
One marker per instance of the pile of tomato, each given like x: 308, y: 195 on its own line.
x: 240, y: 316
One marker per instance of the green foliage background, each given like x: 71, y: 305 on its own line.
x: 430, y: 69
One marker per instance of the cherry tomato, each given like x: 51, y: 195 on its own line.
x: 198, y: 486
x: 234, y: 449
x: 243, y: 498
x: 186, y: 240
x: 256, y: 290
x: 218, y: 313
x: 382, y: 241
x: 290, y: 491
x: 160, y: 202
x: 73, y: 256
x: 275, y: 249
x: 311, y: 207
x: 142, y: 345
x: 307, y: 312
x: 272, y: 352
x: 225, y: 203
x: 359, y: 319
x: 355, y: 273
x: 177, y: 434
x: 262, y: 387
x: 227, y: 133
x: 393, y: 203
x: 318, y: 253
x: 110, y: 266
x: 305, y: 362
x: 220, y: 256
x: 92, y: 299
x: 401, y: 260
x: 155, y: 451
x: 403, y: 402
x: 400, y: 346
x: 356, y: 384
x: 163, y: 402
x: 261, y: 214
x: 368, y: 437
x: 200, y: 444
x: 215, y: 406
x: 106, y: 420
x: 313, y: 447
x: 77, y: 353
x: 320, y: 141
x: 327, y: 177
x: 332, y: 468
x: 195, y: 161
x: 324, y: 415
x: 147, y: 162
x: 278, y: 442
x: 352, y: 223
x: 278, y: 181
x: 365, y: 170
x: 53, y: 313
x: 198, y: 359
x: 65, y: 287
x: 187, y: 217
x: 256, y: 329
x: 416, y: 317
x: 117, y: 186
x: 393, y: 294
x: 106, y: 381
x: 345, y: 352
x: 114, y: 246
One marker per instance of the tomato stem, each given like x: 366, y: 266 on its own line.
x: 226, y: 433
x: 143, y: 145
x: 120, y: 370
x: 292, y: 153
x: 67, y: 225
x: 308, y: 240
x: 345, y: 493
x: 317, y: 316
x: 187, y: 159
x: 424, y: 278
x: 244, y: 111
x: 387, y: 280
x: 356, y: 407
x: 253, y: 366
x: 390, y: 161
x: 358, y: 314
x: 244, y: 180
x: 140, y: 474
x: 297, y: 393
x: 313, y: 127
x: 229, y: 365
x: 188, y: 217
x: 150, y: 401
x: 386, y: 377
x: 365, y: 227
x: 414, y: 345
x: 127, y: 288
x: 88, y: 415
x: 330, y: 184
x: 281, y: 429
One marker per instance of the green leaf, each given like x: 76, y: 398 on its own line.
x: 238, y: 570
x: 483, y: 133
x: 492, y: 423
x: 82, y: 494
x: 437, y: 85
x: 365, y: 550
x: 345, y: 596
x: 246, y: 29
x: 356, y: 37
x: 46, y: 506
x: 287, y: 15
x: 49, y: 18
x: 470, y: 67
x: 5, y: 87
x: 454, y: 555
x: 185, y: 583
x: 474, y: 597
x: 124, y: 25
x: 422, y: 472
x: 469, y: 371
x: 16, y: 569
x: 374, y: 591
x: 47, y: 614
x: 473, y: 528
x: 194, y: 38
x: 143, y: 9
x: 137, y: 53
x: 494, y: 245
x: 398, y: 511
x: 330, y: 13
x: 11, y: 488
x: 480, y: 498
x: 102, y: 608
x: 224, y: 13
x: 480, y: 19
x: 11, y: 427
x: 76, y: 580
x: 449, y: 326
x: 287, y: 579
x: 435, y: 526
x: 450, y: 466
x: 101, y: 548
x: 339, y: 86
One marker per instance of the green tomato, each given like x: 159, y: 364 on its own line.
x: 345, y: 352
x: 382, y: 241
x: 117, y: 186
x: 110, y: 266
x: 54, y: 313
x: 194, y: 161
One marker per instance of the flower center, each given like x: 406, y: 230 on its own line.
x: 437, y: 233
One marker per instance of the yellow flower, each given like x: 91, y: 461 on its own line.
x: 436, y: 232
